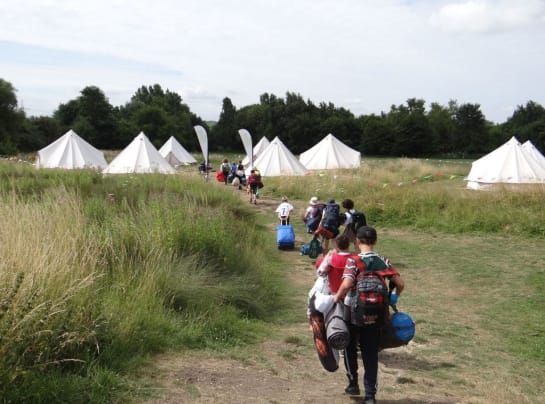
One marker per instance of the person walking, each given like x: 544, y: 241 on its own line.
x: 365, y: 334
x: 313, y: 214
x: 328, y: 228
x: 225, y: 169
x: 284, y: 210
x: 333, y: 264
x: 354, y: 220
x: 254, y: 181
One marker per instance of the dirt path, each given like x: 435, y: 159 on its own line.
x: 282, y: 369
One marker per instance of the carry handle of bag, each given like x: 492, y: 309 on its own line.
x: 390, y: 290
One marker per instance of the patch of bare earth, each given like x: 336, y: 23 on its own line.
x: 284, y: 368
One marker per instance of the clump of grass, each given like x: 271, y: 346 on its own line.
x: 425, y: 195
x: 47, y: 319
x: 121, y: 267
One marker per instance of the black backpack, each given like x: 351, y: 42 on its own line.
x: 332, y: 216
x: 358, y: 220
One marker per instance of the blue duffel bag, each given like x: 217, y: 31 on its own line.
x: 398, y: 331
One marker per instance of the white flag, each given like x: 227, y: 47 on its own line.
x: 203, y: 141
x: 247, y: 142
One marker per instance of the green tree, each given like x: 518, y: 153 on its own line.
x: 11, y: 119
x: 159, y: 114
x: 38, y: 132
x: 376, y: 135
x: 223, y: 136
x: 527, y: 123
x: 91, y: 116
x: 470, y: 131
x: 441, y: 120
x: 412, y: 132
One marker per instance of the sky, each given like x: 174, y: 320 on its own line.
x: 363, y: 55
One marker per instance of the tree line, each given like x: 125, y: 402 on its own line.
x: 409, y: 129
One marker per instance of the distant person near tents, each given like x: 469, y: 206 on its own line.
x: 225, y: 169
x: 254, y: 184
x: 239, y: 173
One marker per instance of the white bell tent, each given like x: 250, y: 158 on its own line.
x: 330, y: 153
x: 175, y: 154
x: 508, y: 164
x: 70, y: 151
x: 257, y: 150
x: 277, y: 160
x: 530, y: 149
x: 139, y: 157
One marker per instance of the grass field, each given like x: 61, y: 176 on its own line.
x: 97, y: 273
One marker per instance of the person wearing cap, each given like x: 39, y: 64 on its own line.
x: 367, y: 337
x: 313, y: 214
x: 284, y: 210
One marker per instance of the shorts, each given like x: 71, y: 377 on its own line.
x: 327, y: 234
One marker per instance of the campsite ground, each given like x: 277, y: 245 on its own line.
x: 283, y: 368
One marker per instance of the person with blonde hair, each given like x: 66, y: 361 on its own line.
x: 284, y: 210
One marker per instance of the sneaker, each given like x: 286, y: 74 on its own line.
x: 353, y: 389
x: 369, y: 400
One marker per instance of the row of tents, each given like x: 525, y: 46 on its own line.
x: 71, y: 151
x: 511, y: 163
x: 273, y: 158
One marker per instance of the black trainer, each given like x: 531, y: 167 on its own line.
x: 353, y: 389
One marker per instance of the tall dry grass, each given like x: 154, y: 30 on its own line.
x: 47, y: 270
x: 99, y: 272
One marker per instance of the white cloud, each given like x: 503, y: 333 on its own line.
x: 364, y: 55
x: 488, y: 16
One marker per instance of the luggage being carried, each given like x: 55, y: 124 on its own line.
x: 338, y: 336
x: 358, y: 220
x: 369, y: 306
x: 329, y: 227
x: 397, y: 332
x: 220, y: 176
x: 329, y: 357
x: 285, y: 237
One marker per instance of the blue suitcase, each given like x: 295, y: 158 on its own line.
x: 285, y: 237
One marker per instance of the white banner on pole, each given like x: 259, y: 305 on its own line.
x: 247, y: 142
x: 203, y: 141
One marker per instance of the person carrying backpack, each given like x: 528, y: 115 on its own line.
x: 254, y: 181
x: 225, y: 169
x: 354, y: 220
x: 313, y: 214
x: 365, y: 278
x: 329, y: 224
